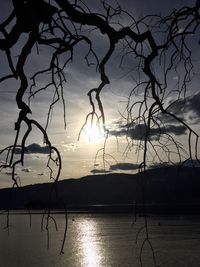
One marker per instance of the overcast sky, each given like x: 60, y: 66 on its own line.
x: 79, y: 156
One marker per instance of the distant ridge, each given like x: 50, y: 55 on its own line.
x: 168, y: 185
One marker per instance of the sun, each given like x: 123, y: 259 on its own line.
x: 93, y: 134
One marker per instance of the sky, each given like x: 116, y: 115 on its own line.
x: 81, y: 157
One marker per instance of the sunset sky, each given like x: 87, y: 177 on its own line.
x: 79, y: 156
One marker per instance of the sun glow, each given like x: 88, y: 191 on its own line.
x: 93, y: 134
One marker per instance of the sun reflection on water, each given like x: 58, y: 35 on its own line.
x: 88, y: 243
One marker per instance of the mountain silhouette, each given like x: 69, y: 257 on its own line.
x: 160, y: 189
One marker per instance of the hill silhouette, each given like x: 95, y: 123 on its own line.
x: 164, y: 188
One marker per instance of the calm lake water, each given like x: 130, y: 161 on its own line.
x: 96, y: 240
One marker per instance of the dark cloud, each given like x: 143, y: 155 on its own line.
x: 174, y: 129
x: 96, y: 171
x: 189, y: 163
x: 138, y: 132
x: 192, y: 163
x: 96, y: 164
x: 159, y: 165
x: 18, y: 150
x: 124, y: 166
x: 191, y: 104
x: 34, y: 149
x: 26, y: 170
x: 186, y: 109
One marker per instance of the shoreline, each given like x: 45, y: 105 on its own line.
x: 138, y: 209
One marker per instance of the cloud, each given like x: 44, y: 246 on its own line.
x: 34, y: 149
x: 138, y: 131
x: 40, y: 174
x: 186, y: 109
x: 9, y: 173
x: 27, y: 170
x: 159, y: 165
x: 70, y: 147
x: 96, y: 171
x: 174, y: 129
x: 124, y: 166
x: 189, y: 163
x: 192, y: 103
x: 96, y: 164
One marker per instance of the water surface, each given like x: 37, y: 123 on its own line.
x: 96, y: 240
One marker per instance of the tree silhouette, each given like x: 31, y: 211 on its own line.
x: 159, y: 47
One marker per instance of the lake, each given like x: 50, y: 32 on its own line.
x: 95, y: 240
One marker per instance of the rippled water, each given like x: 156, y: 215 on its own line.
x: 96, y: 240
